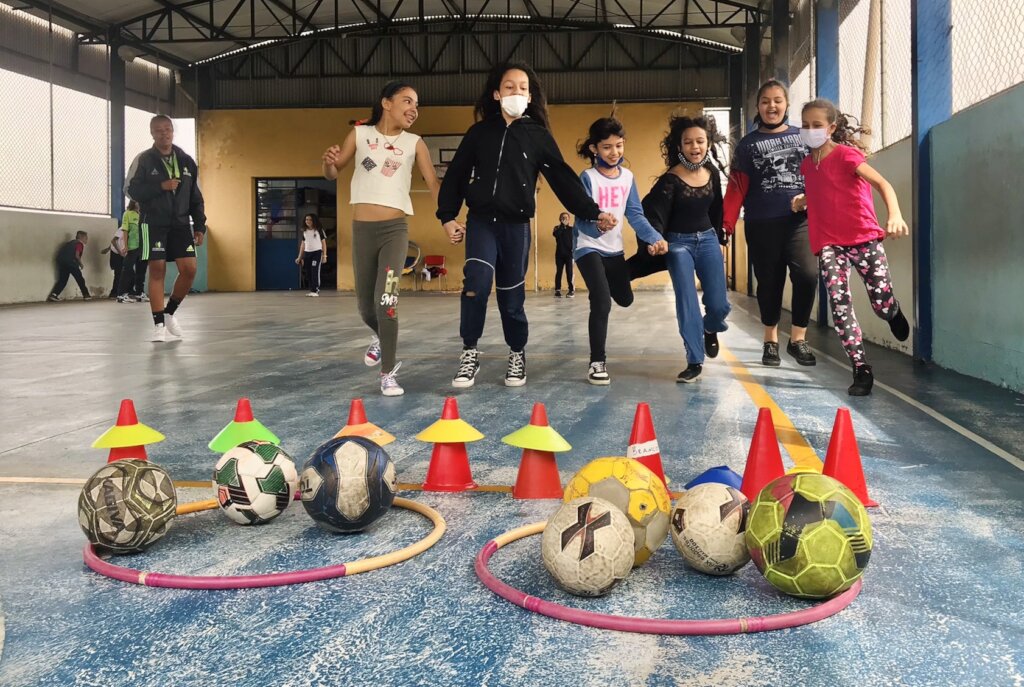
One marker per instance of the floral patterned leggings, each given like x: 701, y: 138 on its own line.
x: 870, y: 262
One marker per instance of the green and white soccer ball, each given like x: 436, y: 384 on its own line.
x: 588, y: 546
x: 708, y: 525
x: 127, y: 505
x: 255, y: 482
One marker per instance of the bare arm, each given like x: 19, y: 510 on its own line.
x: 334, y: 158
x: 895, y: 227
x: 426, y: 167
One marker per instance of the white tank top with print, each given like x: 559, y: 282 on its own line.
x: 383, y: 168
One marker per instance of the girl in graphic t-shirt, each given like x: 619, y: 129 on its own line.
x: 312, y: 252
x: 385, y: 153
x: 844, y: 230
x: 599, y: 254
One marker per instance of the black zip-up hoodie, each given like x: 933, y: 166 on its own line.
x: 495, y: 171
x: 160, y: 208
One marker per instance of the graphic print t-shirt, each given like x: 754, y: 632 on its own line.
x: 772, y: 161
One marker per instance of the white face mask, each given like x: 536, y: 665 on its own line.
x: 813, y: 138
x: 514, y: 105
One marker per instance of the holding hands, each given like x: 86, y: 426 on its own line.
x: 659, y: 248
x: 799, y: 203
x: 606, y: 221
x: 456, y: 231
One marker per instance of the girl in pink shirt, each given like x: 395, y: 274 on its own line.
x: 844, y: 230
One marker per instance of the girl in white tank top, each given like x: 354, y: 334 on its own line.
x: 385, y: 153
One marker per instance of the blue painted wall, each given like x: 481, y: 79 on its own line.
x: 977, y: 210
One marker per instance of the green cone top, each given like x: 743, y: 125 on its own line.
x: 243, y: 428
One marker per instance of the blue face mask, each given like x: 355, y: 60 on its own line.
x: 599, y: 162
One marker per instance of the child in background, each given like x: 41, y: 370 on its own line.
x: 69, y: 264
x: 563, y: 255
x: 312, y: 252
x: 133, y: 271
x: 599, y: 254
x: 844, y: 229
x: 117, y: 251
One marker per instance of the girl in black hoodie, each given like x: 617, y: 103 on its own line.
x: 495, y: 172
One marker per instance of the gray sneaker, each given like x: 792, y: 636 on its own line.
x: 389, y: 382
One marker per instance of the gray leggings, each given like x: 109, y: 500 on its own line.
x: 378, y: 256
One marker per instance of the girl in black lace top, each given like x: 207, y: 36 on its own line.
x: 685, y: 206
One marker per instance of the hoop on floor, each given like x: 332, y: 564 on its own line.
x: 605, y: 621
x: 156, y: 579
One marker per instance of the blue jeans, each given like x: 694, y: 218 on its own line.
x: 697, y: 254
x: 498, y: 254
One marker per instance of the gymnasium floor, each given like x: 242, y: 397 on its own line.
x: 942, y: 602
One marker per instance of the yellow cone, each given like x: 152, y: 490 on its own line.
x: 538, y: 435
x: 450, y: 429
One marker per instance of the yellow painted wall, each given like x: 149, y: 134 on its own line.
x: 238, y: 146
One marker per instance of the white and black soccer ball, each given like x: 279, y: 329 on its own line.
x: 127, y: 505
x: 708, y: 526
x: 255, y: 482
x: 588, y: 546
x: 347, y: 484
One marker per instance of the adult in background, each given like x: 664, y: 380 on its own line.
x: 163, y: 180
x: 563, y: 256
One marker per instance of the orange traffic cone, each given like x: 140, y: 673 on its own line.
x: 842, y: 461
x: 127, y: 438
x: 359, y: 426
x: 449, y: 462
x: 643, y: 443
x: 538, y: 470
x: 764, y: 462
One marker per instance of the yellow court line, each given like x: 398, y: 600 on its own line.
x: 792, y: 440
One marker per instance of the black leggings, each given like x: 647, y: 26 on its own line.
x: 563, y: 261
x: 776, y: 245
x: 607, y: 279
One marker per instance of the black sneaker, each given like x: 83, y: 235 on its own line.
x: 801, y: 352
x: 898, y: 325
x: 863, y: 380
x: 515, y: 375
x: 571, y: 294
x: 770, y: 357
x: 53, y: 298
x: 558, y: 294
x: 469, y: 365
x: 598, y: 374
x: 711, y: 344
x: 691, y: 374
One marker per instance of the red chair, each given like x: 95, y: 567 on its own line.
x: 434, y: 268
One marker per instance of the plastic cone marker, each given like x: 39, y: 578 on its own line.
x: 764, y: 461
x: 843, y: 462
x: 449, y: 462
x: 538, y: 476
x: 643, y: 443
x: 243, y: 428
x: 359, y: 426
x: 128, y: 431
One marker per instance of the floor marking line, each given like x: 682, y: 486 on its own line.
x: 182, y: 484
x: 790, y: 438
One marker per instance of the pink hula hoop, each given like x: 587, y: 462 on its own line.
x: 604, y: 621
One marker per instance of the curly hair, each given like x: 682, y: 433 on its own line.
x: 848, y: 128
x: 599, y: 131
x: 671, y: 145
x: 486, y: 106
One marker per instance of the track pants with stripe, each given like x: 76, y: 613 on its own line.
x: 496, y: 253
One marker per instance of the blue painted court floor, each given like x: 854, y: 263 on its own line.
x: 942, y: 602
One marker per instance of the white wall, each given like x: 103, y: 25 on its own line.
x: 28, y: 244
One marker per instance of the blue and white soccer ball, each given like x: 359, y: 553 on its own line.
x: 347, y: 484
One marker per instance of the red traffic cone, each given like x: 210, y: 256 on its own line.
x: 764, y: 462
x: 449, y: 462
x: 842, y: 461
x: 359, y: 426
x: 357, y: 413
x: 243, y: 411
x: 123, y: 452
x: 128, y: 437
x: 538, y: 470
x: 643, y: 443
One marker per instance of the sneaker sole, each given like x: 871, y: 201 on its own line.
x: 399, y: 392
x: 370, y: 363
x: 515, y: 382
x: 771, y: 363
x: 463, y: 384
x: 599, y: 382
x: 802, y: 362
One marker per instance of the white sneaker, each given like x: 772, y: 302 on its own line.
x: 389, y: 382
x: 173, y: 327
x: 159, y: 334
x: 598, y: 374
x: 372, y: 355
x: 142, y: 298
x: 126, y: 298
x: 314, y: 294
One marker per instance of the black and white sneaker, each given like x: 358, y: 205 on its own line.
x: 711, y: 344
x: 898, y: 325
x: 770, y: 356
x: 801, y: 352
x: 469, y: 365
x: 598, y: 374
x: 558, y: 294
x: 571, y: 294
x: 515, y: 375
x: 691, y: 374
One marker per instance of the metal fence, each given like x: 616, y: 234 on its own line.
x: 988, y: 49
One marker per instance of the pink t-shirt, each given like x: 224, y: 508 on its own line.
x: 840, y: 209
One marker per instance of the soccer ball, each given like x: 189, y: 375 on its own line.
x: 255, y: 482
x: 809, y: 535
x: 588, y: 546
x: 127, y: 505
x: 347, y: 484
x: 708, y: 526
x: 633, y: 489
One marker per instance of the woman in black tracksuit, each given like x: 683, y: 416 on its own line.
x: 495, y: 172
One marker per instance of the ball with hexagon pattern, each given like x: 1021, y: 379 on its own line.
x: 347, y: 484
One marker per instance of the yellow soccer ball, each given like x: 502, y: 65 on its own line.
x: 633, y: 489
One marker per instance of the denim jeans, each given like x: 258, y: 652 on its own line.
x: 697, y: 254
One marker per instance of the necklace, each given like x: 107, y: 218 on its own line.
x: 390, y: 145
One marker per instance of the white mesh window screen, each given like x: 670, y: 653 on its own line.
x: 25, y: 142
x: 988, y: 49
x: 853, y: 51
x: 896, y: 110
x: 81, y: 175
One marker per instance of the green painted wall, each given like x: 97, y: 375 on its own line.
x: 978, y: 257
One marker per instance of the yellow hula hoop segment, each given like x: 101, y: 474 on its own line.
x: 156, y: 579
